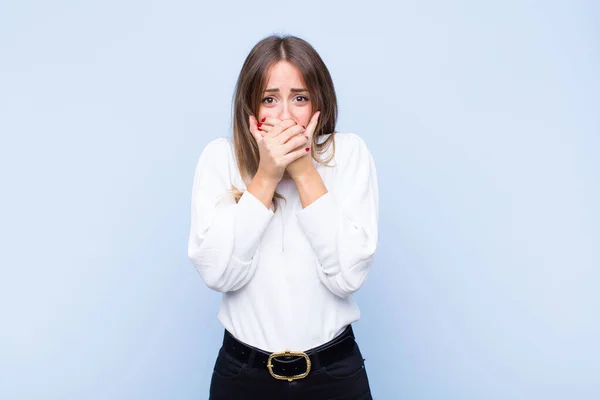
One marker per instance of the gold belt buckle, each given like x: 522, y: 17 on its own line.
x: 288, y: 353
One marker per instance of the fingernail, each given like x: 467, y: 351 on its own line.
x: 259, y: 128
x: 264, y: 119
x: 303, y: 126
x: 259, y: 124
x: 307, y: 149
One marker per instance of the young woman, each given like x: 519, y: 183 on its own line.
x: 284, y: 224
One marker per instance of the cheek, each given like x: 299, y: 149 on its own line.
x: 268, y: 112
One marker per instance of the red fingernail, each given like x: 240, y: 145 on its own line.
x: 307, y: 149
x: 264, y: 119
x: 259, y: 129
x: 303, y: 126
x: 259, y: 124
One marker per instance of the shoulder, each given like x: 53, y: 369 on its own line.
x: 220, y: 145
x: 217, y: 152
x: 349, y: 139
x: 216, y: 159
x: 350, y: 146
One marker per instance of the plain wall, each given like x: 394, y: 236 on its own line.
x: 482, y: 117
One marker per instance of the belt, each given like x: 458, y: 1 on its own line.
x: 291, y: 365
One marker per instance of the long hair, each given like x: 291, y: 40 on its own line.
x: 250, y: 87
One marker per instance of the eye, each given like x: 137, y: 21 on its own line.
x: 267, y: 98
x: 303, y: 97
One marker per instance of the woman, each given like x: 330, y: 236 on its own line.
x: 284, y: 224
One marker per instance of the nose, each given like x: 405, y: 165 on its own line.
x: 285, y: 112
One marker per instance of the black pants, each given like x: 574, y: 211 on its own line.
x: 345, y: 379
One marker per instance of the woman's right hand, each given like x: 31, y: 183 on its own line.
x: 279, y: 147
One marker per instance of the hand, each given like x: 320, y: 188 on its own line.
x: 305, y: 164
x: 283, y: 143
x: 302, y: 164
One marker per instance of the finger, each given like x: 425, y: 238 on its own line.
x: 296, y: 142
x: 312, y: 124
x: 266, y: 125
x: 270, y: 121
x: 254, y: 129
x: 294, y: 155
x: 289, y: 133
x: 265, y: 129
x: 277, y: 129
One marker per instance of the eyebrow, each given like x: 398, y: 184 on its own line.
x: 294, y: 90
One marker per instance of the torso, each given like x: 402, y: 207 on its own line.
x: 285, y: 305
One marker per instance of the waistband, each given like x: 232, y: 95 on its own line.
x: 321, y: 356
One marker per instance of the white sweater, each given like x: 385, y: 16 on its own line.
x: 287, y: 278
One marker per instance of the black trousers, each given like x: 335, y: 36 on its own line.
x: 345, y: 379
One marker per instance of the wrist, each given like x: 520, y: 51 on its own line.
x: 303, y: 177
x: 263, y: 188
x: 264, y: 180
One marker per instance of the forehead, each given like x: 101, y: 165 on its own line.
x: 284, y: 73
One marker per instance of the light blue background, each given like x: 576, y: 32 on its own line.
x: 482, y: 117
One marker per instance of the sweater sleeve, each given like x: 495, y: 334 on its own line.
x: 341, y: 225
x: 224, y: 235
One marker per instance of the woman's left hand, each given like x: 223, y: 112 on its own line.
x: 303, y: 164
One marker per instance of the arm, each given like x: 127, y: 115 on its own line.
x: 342, y: 226
x: 224, y: 236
